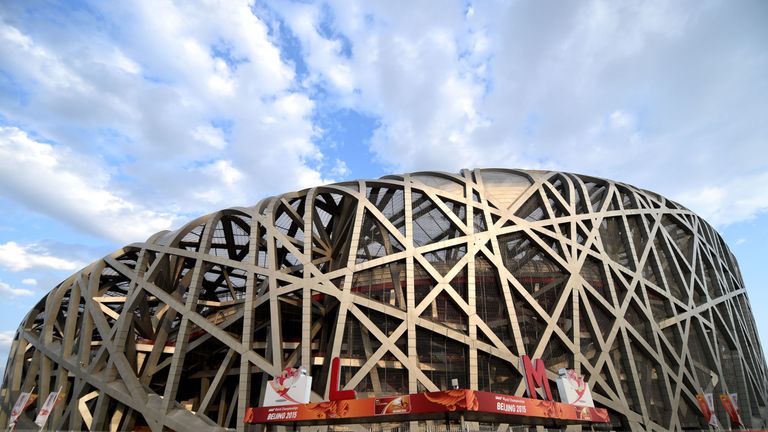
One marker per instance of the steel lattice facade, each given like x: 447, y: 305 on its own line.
x: 412, y: 280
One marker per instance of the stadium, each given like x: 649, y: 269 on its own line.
x: 418, y: 282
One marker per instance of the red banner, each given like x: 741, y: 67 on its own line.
x: 705, y: 411
x: 732, y: 411
x: 425, y: 405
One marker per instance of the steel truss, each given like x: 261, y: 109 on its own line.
x: 413, y: 280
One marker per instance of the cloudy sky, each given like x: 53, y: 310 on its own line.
x: 120, y: 119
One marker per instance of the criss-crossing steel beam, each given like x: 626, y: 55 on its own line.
x: 413, y: 280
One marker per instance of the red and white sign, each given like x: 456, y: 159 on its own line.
x: 573, y: 389
x: 392, y: 405
x: 343, y: 406
x: 21, y: 404
x: 45, y: 411
x: 292, y: 387
x: 433, y: 405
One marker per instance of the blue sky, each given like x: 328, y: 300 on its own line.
x: 120, y: 119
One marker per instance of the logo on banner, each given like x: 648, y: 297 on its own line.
x: 50, y: 402
x: 289, y: 388
x: 392, y: 405
x: 573, y: 389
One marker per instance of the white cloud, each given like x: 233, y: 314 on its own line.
x: 621, y: 120
x: 340, y: 168
x: 159, y: 101
x: 324, y: 56
x: 420, y: 70
x: 594, y: 87
x: 667, y: 96
x: 6, y: 340
x: 6, y: 289
x: 735, y: 200
x: 29, y: 281
x: 224, y: 169
x: 16, y: 257
x: 53, y: 180
x: 224, y: 185
x: 210, y: 136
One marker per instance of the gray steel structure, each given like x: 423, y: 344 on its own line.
x: 412, y: 280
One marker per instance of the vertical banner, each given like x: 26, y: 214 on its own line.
x: 735, y: 402
x: 45, y: 411
x: 706, y: 405
x: 21, y: 404
x: 711, y: 405
x: 731, y: 407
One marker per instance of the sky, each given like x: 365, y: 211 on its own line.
x: 123, y: 118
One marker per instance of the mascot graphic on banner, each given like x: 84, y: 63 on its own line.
x: 573, y: 389
x: 291, y: 387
